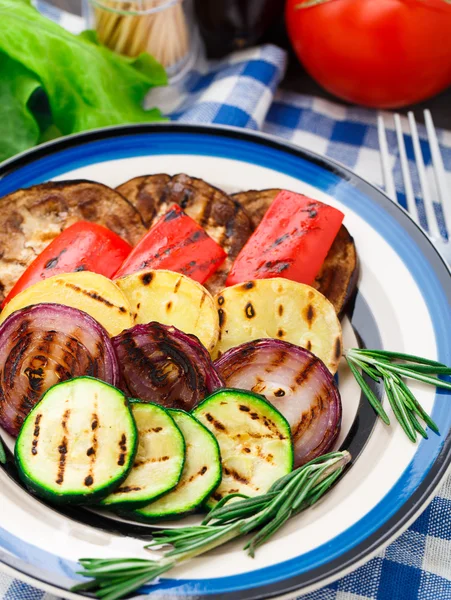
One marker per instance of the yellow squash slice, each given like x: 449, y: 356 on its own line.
x: 280, y: 309
x: 172, y: 299
x: 90, y: 292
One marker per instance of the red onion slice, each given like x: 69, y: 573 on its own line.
x: 161, y: 364
x: 296, y: 382
x: 42, y: 345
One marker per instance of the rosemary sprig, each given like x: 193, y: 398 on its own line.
x: 391, y: 368
x: 232, y: 517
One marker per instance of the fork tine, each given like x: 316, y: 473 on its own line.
x: 439, y: 170
x: 385, y: 160
x: 408, y: 188
x: 425, y: 189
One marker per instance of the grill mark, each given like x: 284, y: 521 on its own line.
x: 168, y: 306
x: 177, y: 285
x: 244, y: 408
x: 216, y: 424
x: 54, y: 261
x: 92, y: 451
x: 279, y: 393
x: 123, y: 450
x: 280, y: 333
x: 221, y: 315
x: 95, y: 296
x: 235, y: 475
x: 280, y: 310
x: 248, y: 285
x: 141, y: 463
x: 221, y: 300
x: 310, y: 315
x: 337, y: 348
x: 37, y: 429
x: 146, y: 278
x: 127, y: 488
x: 62, y: 448
x: 249, y: 310
x: 308, y: 345
x: 202, y: 300
x: 304, y: 373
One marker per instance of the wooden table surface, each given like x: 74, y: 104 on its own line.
x: 297, y: 80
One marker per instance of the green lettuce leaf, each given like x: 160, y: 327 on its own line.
x: 87, y: 85
x: 18, y: 127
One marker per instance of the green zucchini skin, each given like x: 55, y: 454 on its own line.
x: 202, y: 458
x: 152, y: 474
x: 100, y: 399
x: 254, y: 439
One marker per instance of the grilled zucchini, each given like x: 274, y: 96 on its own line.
x: 172, y: 299
x: 254, y: 440
x: 201, y: 473
x: 159, y: 461
x: 90, y: 292
x: 78, y: 443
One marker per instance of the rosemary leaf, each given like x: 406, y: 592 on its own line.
x: 403, y: 421
x: 2, y: 453
x: 397, y: 356
x: 371, y: 396
x: 417, y: 407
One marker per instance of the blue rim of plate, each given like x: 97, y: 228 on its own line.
x: 422, y: 476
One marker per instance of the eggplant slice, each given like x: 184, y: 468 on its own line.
x: 31, y: 218
x: 337, y: 279
x: 223, y: 218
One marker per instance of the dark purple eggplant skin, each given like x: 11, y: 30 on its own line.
x: 296, y: 382
x: 161, y: 364
x: 45, y: 344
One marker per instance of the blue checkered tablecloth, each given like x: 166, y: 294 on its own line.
x: 243, y: 91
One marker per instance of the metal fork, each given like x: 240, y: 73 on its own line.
x: 434, y: 234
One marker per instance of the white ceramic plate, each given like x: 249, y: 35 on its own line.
x: 403, y: 303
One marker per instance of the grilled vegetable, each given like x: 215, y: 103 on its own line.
x: 297, y: 383
x: 90, y: 292
x: 42, y: 345
x: 83, y: 246
x: 31, y: 218
x: 254, y: 440
x: 172, y: 299
x: 164, y: 365
x: 201, y: 473
x: 292, y: 241
x: 337, y: 278
x: 159, y: 460
x: 78, y: 443
x: 223, y: 219
x: 280, y: 309
x: 176, y: 243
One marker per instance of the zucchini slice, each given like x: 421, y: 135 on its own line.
x: 78, y: 443
x: 159, y: 460
x: 201, y: 473
x: 254, y: 440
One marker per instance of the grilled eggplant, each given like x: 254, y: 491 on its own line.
x: 78, y: 443
x: 222, y: 217
x: 31, y: 218
x: 337, y: 279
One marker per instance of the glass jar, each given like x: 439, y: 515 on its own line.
x: 163, y: 28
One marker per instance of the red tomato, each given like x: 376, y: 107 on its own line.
x: 176, y: 243
x: 83, y: 246
x: 381, y: 53
x: 292, y: 241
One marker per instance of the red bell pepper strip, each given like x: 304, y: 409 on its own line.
x: 176, y: 243
x: 291, y: 241
x: 83, y: 246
